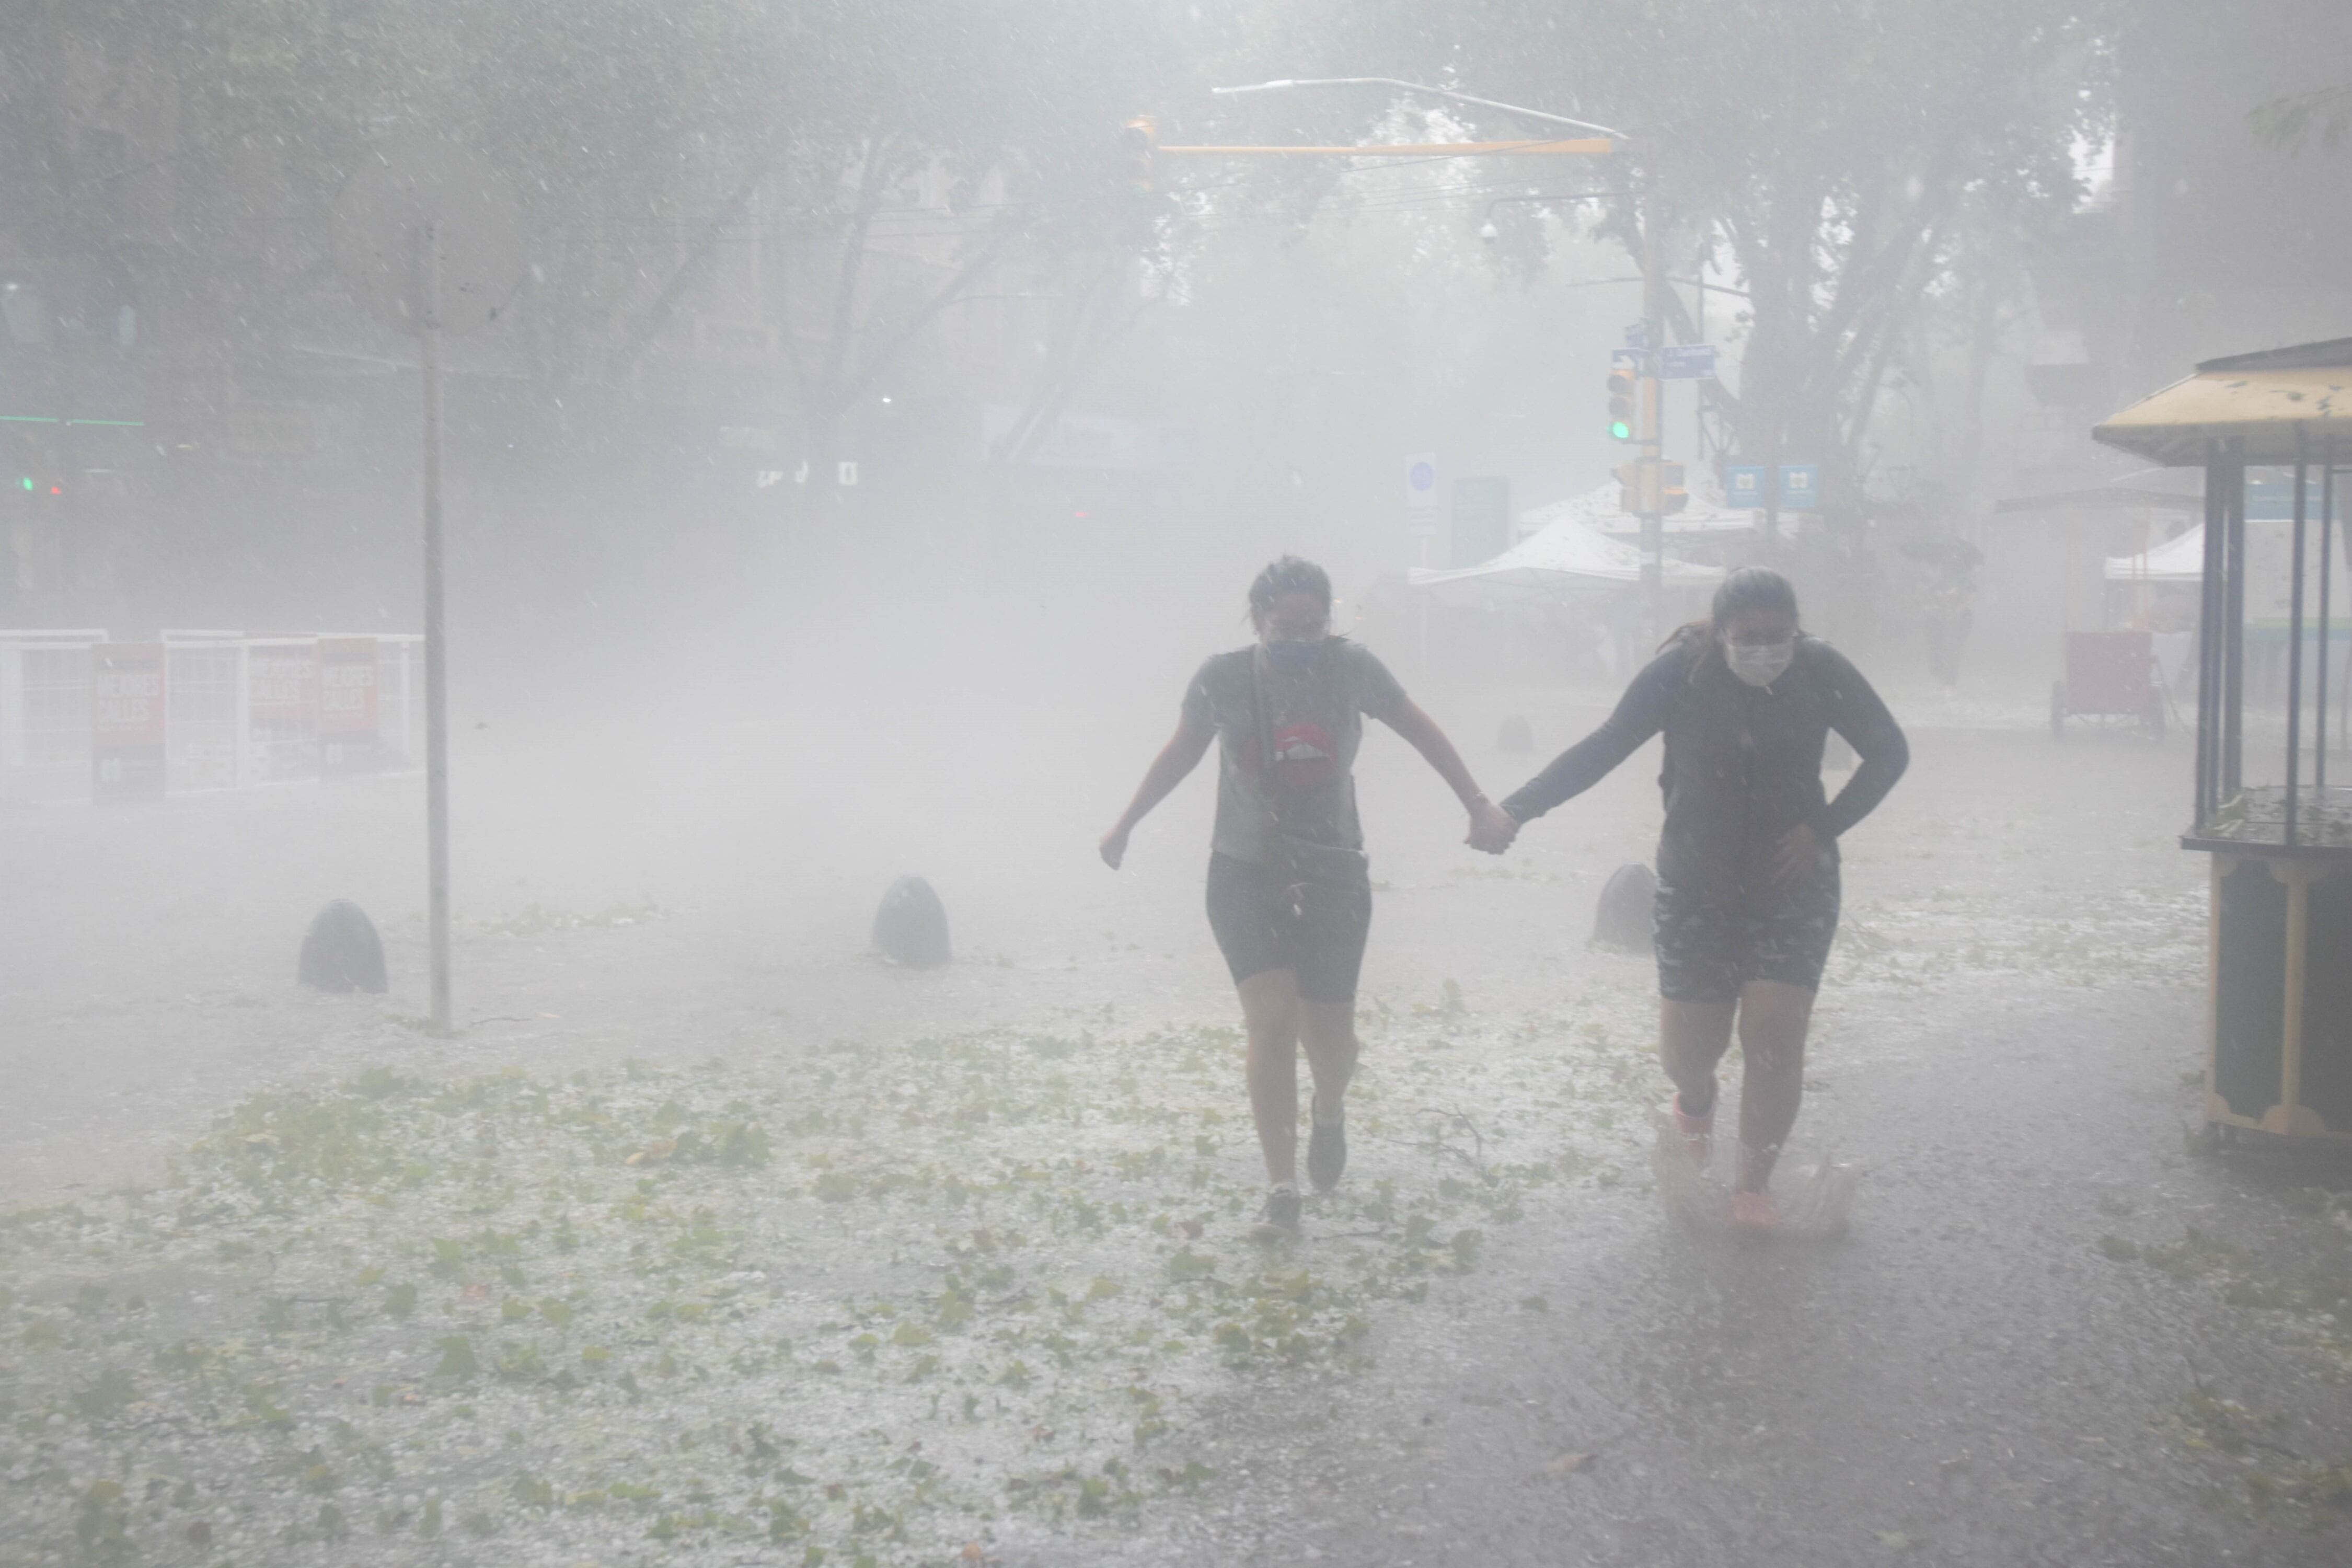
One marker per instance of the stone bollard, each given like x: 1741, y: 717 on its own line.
x: 342, y: 951
x: 1622, y: 919
x: 910, y: 929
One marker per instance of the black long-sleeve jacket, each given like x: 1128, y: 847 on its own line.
x: 1743, y: 763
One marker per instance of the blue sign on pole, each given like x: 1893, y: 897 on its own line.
x: 1637, y: 336
x: 1687, y: 362
x: 1800, y: 487
x: 1627, y: 359
x: 1743, y: 486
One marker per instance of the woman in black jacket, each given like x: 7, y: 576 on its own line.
x: 1747, y: 859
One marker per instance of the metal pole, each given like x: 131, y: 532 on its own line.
x: 1424, y: 662
x: 2208, y: 638
x: 2294, y: 650
x: 2233, y: 625
x: 1698, y: 399
x: 2319, y: 707
x: 1654, y: 428
x: 436, y: 686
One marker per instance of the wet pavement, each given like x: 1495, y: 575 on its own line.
x: 2018, y: 1354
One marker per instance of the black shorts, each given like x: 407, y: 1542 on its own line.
x: 1264, y: 921
x: 1713, y: 941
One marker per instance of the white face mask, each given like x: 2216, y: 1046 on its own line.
x: 1760, y: 664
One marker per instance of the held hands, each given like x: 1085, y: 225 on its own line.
x: 1799, y: 853
x: 1491, y: 827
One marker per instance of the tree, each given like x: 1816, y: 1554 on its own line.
x: 1849, y: 154
x: 640, y: 139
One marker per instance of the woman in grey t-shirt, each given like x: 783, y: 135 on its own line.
x: 1290, y: 897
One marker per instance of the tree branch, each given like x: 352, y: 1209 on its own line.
x: 656, y: 315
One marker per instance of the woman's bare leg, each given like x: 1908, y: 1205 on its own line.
x: 1692, y: 1039
x: 1773, y: 1018
x: 1271, y: 1009
x: 1328, y: 1030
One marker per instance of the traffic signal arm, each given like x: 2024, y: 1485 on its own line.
x: 1589, y: 146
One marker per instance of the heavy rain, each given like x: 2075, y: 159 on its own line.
x: 901, y: 783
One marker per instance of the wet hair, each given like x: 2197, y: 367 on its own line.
x: 1748, y: 589
x: 1751, y: 588
x: 1287, y: 576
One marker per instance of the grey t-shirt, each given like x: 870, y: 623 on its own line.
x: 1316, y: 723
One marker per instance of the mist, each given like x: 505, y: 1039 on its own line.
x: 861, y: 429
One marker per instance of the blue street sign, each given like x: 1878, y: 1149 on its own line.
x: 1630, y: 359
x: 1743, y: 486
x: 1637, y: 336
x: 1687, y: 362
x: 1800, y: 487
x: 1422, y: 475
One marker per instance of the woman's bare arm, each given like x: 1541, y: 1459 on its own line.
x: 1178, y: 758
x: 1491, y: 827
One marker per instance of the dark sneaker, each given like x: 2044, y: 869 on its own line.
x: 1278, y: 1221
x: 1327, y: 1154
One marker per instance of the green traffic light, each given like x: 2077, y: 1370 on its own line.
x: 1617, y: 429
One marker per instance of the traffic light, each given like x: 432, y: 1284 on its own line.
x: 1140, y: 194
x: 1671, y: 497
x: 1620, y: 403
x: 1629, y: 487
x: 1139, y: 150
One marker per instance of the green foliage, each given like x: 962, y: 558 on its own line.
x: 1892, y: 175
x: 103, y: 1522
x: 109, y: 1394
x: 1068, y: 1281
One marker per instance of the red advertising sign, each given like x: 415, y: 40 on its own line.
x: 126, y: 695
x: 347, y: 705
x: 282, y: 707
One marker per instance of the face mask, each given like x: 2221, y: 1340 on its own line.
x: 1760, y: 664
x: 1294, y: 657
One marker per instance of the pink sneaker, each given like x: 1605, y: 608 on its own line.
x: 1697, y: 1133
x: 1755, y: 1212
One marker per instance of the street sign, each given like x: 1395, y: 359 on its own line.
x: 1628, y: 358
x: 1687, y: 362
x: 1743, y: 486
x: 1637, y: 335
x: 1800, y: 487
x: 1482, y: 519
x: 1424, y: 509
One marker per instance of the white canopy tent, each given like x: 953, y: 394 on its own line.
x: 1566, y: 554
x: 2180, y: 559
x: 1598, y: 509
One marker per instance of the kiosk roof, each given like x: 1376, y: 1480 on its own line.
x: 2262, y: 400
